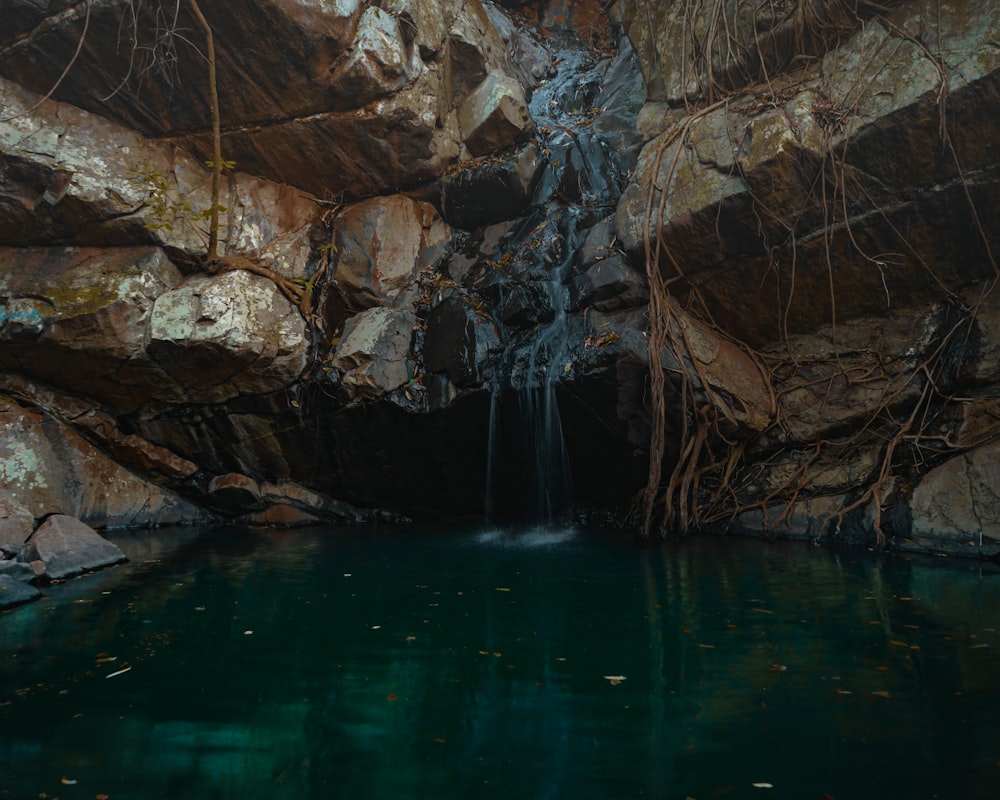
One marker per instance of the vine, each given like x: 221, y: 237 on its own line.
x: 717, y: 476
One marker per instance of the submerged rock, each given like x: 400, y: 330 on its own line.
x: 15, y: 592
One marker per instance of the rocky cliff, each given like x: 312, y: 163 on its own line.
x: 454, y: 234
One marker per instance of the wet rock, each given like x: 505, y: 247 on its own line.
x: 494, y: 115
x: 608, y: 285
x: 15, y: 592
x: 46, y: 467
x: 459, y: 341
x: 956, y: 506
x: 234, y: 493
x: 806, y: 520
x: 374, y: 351
x: 382, y: 244
x: 281, y: 516
x: 68, y: 547
x: 525, y: 304
x: 16, y: 525
x: 309, y: 503
x: 236, y: 327
x: 491, y: 192
x: 528, y: 58
x: 619, y: 101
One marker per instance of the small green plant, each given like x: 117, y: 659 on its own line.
x: 165, y: 209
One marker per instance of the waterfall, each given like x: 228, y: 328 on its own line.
x: 584, y: 158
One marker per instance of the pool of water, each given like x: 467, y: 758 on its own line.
x: 392, y: 663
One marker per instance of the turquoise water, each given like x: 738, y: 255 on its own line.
x: 381, y: 663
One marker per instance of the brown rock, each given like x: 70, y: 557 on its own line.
x: 16, y: 524
x: 68, y: 547
x: 381, y: 245
x: 234, y: 492
x: 956, y: 506
x: 494, y: 115
x: 89, y: 310
x: 235, y: 327
x: 46, y: 467
x: 374, y: 353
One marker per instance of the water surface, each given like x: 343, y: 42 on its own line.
x: 396, y: 663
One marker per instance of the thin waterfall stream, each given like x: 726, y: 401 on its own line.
x: 578, y: 186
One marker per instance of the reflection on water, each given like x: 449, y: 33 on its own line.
x: 528, y: 538
x: 538, y: 664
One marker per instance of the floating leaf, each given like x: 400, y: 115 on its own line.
x: 502, y: 589
x: 706, y: 646
x: 762, y: 785
x: 761, y: 610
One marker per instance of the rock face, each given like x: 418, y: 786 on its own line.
x: 48, y: 468
x: 832, y: 231
x: 472, y: 266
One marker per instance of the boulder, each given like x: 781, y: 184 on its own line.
x: 459, y: 342
x: 693, y: 56
x: 382, y: 244
x: 495, y: 115
x: 234, y: 493
x: 236, y: 327
x: 374, y: 352
x: 68, y: 547
x: 90, y: 310
x: 742, y: 205
x: 355, y: 101
x: 484, y: 193
x: 378, y: 62
x: 956, y: 506
x: 16, y: 525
